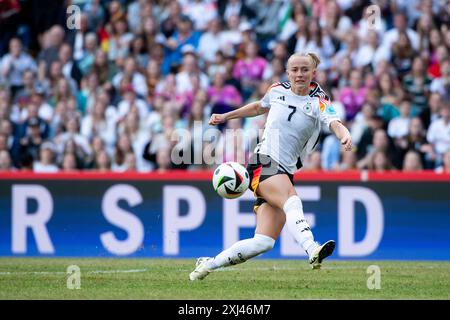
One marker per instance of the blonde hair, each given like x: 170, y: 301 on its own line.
x: 314, y: 58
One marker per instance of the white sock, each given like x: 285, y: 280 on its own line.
x: 242, y: 250
x: 297, y: 224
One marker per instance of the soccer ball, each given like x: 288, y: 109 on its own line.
x: 230, y: 180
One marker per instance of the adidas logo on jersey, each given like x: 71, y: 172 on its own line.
x: 281, y: 98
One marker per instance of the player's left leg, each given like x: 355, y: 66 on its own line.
x: 269, y: 223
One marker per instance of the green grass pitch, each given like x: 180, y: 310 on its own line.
x: 168, y: 279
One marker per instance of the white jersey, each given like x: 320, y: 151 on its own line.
x: 293, y: 124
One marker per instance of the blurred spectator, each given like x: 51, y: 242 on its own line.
x: 201, y: 12
x: 417, y: 86
x: 380, y: 142
x: 131, y: 73
x: 445, y: 167
x: 249, y: 70
x: 379, y: 162
x: 184, y: 35
x: 46, y: 162
x: 439, y: 132
x: 95, y: 14
x: 69, y: 163
x: 208, y: 44
x: 5, y: 161
x: 313, y: 162
x: 347, y: 162
x: 412, y: 162
x: 416, y: 141
x: 14, y: 64
x: 353, y: 97
x: 400, y: 27
x: 398, y: 127
x: 102, y: 162
x: 223, y: 97
x: 403, y: 54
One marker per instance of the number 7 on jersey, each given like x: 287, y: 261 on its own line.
x: 293, y: 111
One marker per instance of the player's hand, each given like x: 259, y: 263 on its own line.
x: 217, y: 119
x: 346, y: 141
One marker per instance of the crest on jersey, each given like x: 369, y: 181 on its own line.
x: 307, y: 107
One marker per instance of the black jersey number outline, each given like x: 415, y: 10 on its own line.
x: 292, y: 113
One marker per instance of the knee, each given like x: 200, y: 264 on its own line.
x: 293, y: 203
x: 264, y: 243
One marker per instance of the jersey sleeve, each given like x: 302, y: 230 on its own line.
x: 265, y: 101
x: 327, y: 113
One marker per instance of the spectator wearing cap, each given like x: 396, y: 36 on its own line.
x: 47, y: 159
x: 30, y: 143
x: 14, y: 64
x: 184, y: 35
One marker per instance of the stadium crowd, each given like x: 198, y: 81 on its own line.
x: 127, y: 84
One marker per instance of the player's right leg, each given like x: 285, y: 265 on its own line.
x: 269, y: 223
x: 279, y: 191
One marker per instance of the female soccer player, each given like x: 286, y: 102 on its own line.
x: 296, y: 111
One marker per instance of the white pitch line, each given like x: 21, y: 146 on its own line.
x: 60, y: 272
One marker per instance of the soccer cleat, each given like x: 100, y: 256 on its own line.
x: 320, y: 253
x: 201, y: 269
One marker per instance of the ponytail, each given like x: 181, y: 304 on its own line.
x: 314, y: 58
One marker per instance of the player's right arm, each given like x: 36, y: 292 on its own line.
x: 252, y: 109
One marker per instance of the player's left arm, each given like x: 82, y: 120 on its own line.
x: 342, y: 133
